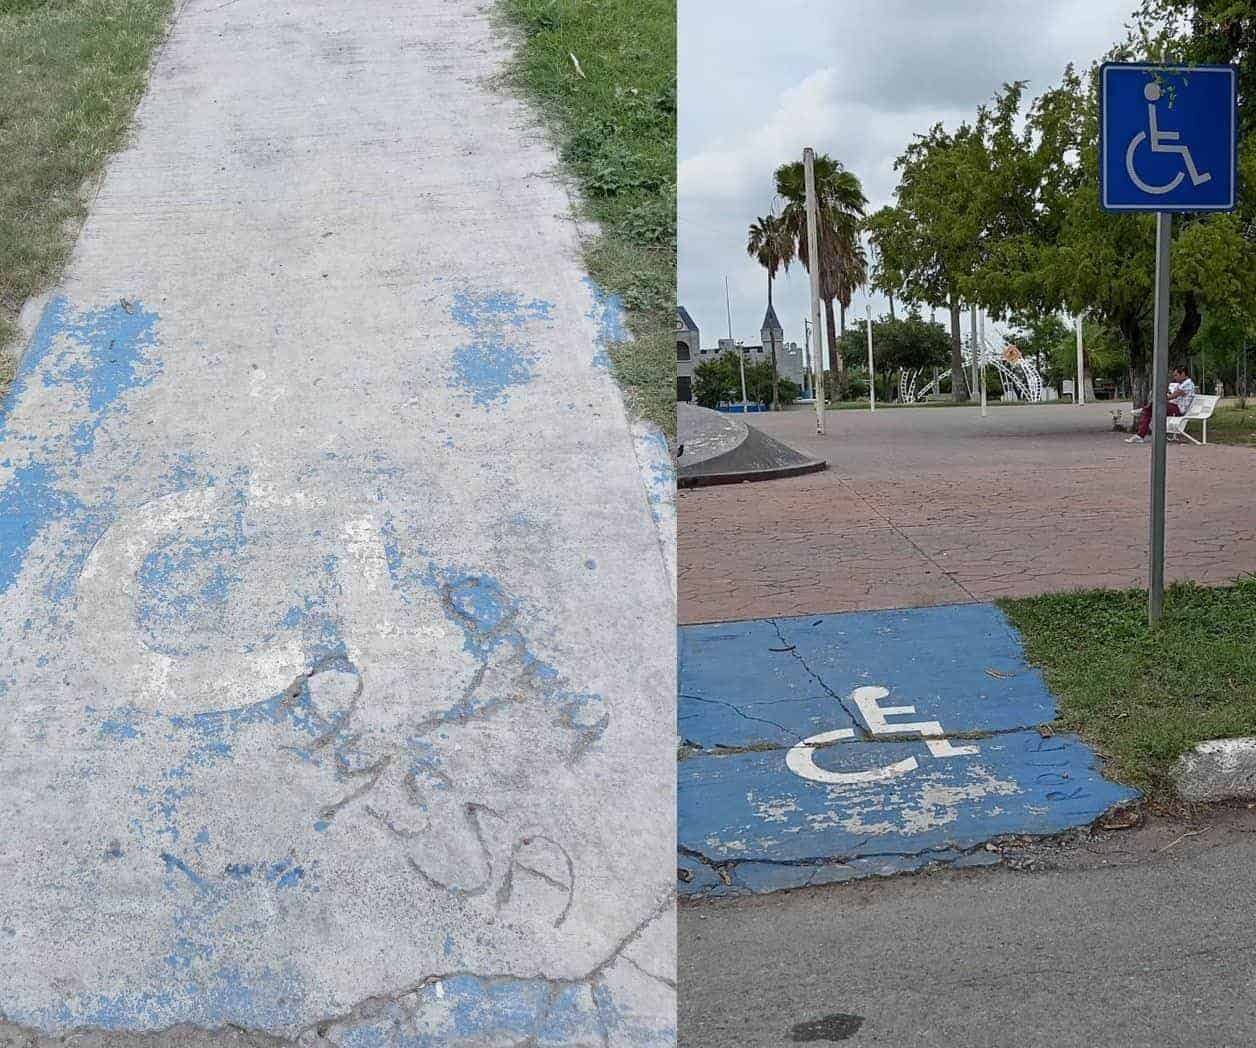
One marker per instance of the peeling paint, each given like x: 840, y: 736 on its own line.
x: 750, y: 691
x: 498, y: 357
x: 87, y: 360
x: 609, y: 319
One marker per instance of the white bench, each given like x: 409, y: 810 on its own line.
x: 1201, y: 410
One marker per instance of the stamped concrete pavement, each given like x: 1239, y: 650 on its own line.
x: 937, y: 505
x: 337, y: 713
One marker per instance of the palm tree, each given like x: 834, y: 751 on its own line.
x: 850, y: 274
x: 770, y: 243
x: 843, y: 264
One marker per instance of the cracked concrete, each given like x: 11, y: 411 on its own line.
x: 864, y: 798
x: 327, y: 693
x: 935, y: 506
x: 428, y: 1014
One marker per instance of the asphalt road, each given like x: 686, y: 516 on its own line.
x: 1139, y: 939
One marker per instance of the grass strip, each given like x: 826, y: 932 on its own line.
x: 71, y: 74
x: 1143, y: 697
x: 603, y: 73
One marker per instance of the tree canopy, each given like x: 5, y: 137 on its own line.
x: 718, y: 381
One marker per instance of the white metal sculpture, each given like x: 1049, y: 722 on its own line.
x: 1017, y: 372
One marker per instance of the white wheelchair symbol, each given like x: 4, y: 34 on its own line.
x: 801, y: 760
x: 1157, y: 140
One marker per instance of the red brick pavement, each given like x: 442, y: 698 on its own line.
x: 936, y: 505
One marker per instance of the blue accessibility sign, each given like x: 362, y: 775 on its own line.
x: 832, y: 747
x: 1168, y: 137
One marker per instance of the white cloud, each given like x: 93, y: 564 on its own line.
x: 855, y: 80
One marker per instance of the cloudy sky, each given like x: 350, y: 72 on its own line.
x: 853, y: 78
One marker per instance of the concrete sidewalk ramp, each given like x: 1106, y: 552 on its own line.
x: 337, y: 648
x: 723, y: 449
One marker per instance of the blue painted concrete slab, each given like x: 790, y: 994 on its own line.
x: 778, y: 681
x: 826, y: 748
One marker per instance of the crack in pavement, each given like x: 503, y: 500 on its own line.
x: 695, y: 749
x: 793, y: 651
x: 904, y: 536
x: 315, y: 1035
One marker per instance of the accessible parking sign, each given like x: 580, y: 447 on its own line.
x: 1167, y: 137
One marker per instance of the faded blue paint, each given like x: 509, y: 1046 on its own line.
x: 777, y: 681
x: 488, y: 616
x: 93, y: 356
x: 498, y: 357
x: 751, y: 690
x: 185, y: 583
x: 660, y: 476
x: 122, y: 724
x: 27, y: 503
x: 609, y: 319
x: 468, y: 1009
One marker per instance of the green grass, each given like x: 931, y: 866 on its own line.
x: 1231, y: 424
x: 1144, y: 697
x: 71, y: 73
x: 616, y: 129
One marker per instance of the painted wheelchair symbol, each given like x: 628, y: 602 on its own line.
x: 1157, y: 139
x: 801, y: 758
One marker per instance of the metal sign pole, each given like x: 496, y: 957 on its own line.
x: 1159, y: 412
x: 872, y: 375
x: 1168, y: 141
x: 813, y: 264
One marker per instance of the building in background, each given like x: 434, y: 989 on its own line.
x: 687, y: 351
x: 791, y: 361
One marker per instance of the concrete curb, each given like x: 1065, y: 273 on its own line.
x: 742, y: 476
x: 1218, y: 770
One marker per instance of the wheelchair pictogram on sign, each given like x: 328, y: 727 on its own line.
x: 1157, y: 140
x: 1167, y: 137
x: 801, y: 758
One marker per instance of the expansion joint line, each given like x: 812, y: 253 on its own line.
x: 907, y: 538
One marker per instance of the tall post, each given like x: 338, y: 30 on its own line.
x: 1159, y: 412
x: 806, y: 353
x: 976, y: 351
x: 813, y: 265
x: 1080, y: 396
x: 982, y: 374
x: 872, y: 375
x: 741, y: 357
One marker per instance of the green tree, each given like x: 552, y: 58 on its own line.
x: 718, y: 381
x: 899, y: 344
x: 1066, y: 253
x: 931, y: 241
x: 841, y: 207
x: 770, y: 243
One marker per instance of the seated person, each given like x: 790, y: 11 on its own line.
x: 1181, y: 393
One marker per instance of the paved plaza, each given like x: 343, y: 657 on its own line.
x: 938, y: 506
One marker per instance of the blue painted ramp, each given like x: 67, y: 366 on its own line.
x: 825, y: 748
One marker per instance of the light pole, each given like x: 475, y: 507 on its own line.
x: 1079, y: 398
x: 806, y: 354
x: 982, y: 370
x: 872, y: 375
x: 741, y: 357
x: 976, y: 352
